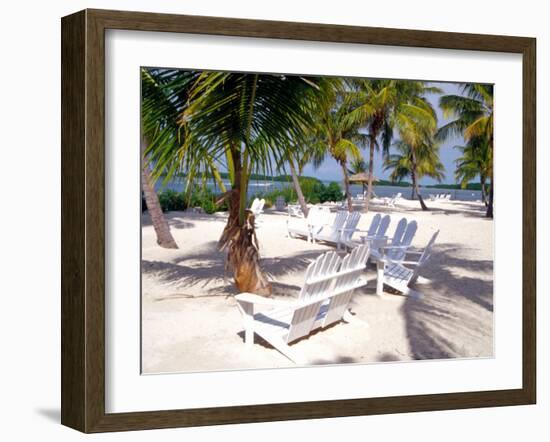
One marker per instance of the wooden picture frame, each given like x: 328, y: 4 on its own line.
x: 83, y: 220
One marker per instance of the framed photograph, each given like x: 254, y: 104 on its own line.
x: 268, y: 221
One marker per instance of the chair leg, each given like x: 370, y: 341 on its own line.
x: 290, y: 353
x: 380, y: 265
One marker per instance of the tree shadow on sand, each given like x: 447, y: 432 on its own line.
x: 206, y: 268
x: 459, y: 307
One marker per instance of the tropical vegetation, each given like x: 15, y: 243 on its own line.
x: 232, y: 128
x: 473, y: 120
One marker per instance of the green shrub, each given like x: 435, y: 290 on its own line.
x: 171, y: 200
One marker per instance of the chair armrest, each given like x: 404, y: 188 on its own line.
x: 251, y: 298
x: 395, y: 247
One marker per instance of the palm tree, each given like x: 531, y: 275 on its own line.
x: 339, y: 116
x: 415, y: 162
x: 241, y: 122
x: 392, y: 104
x: 159, y: 129
x: 473, y: 112
x: 475, y: 161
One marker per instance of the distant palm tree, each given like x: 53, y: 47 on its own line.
x: 339, y: 116
x: 243, y: 122
x: 415, y: 162
x: 392, y: 104
x: 473, y: 114
x: 475, y: 162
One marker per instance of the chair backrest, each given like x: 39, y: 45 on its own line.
x: 319, y: 279
x: 383, y: 226
x: 399, y: 195
x: 406, y: 240
x: 261, y: 205
x: 254, y: 205
x: 350, y: 225
x: 333, y: 230
x: 428, y: 250
x: 316, y: 218
x: 399, y: 231
x: 347, y: 279
x: 374, y: 225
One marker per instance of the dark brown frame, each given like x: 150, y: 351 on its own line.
x: 83, y: 216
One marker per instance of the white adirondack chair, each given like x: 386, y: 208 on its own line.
x: 390, y: 202
x: 400, y: 243
x: 306, y: 227
x: 350, y: 227
x: 398, y: 275
x: 324, y: 299
x: 332, y: 232
x: 376, y: 234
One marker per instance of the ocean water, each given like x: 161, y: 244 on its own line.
x: 257, y: 187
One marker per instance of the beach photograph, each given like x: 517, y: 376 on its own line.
x: 299, y: 220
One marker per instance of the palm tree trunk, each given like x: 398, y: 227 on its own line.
x: 346, y: 185
x: 371, y: 173
x: 162, y: 230
x: 298, y: 188
x: 239, y: 238
x: 489, y: 213
x: 483, y: 190
x: 415, y: 183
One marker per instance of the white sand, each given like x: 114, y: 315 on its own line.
x: 191, y: 322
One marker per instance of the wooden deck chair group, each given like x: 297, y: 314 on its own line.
x: 323, y: 300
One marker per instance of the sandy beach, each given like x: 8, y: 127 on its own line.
x: 191, y: 321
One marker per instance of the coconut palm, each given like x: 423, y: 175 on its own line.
x: 392, y: 104
x: 240, y: 122
x: 415, y: 162
x: 473, y: 113
x: 339, y: 115
x: 474, y: 162
x: 162, y: 91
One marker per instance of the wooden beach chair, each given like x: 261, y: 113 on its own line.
x: 306, y: 227
x: 332, y: 232
x: 390, y: 202
x: 350, y: 227
x: 399, y: 244
x: 323, y: 300
x: 399, y: 275
x: 376, y: 233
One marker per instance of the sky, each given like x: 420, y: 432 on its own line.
x: 330, y: 170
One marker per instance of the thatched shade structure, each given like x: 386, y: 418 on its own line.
x: 361, y: 177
